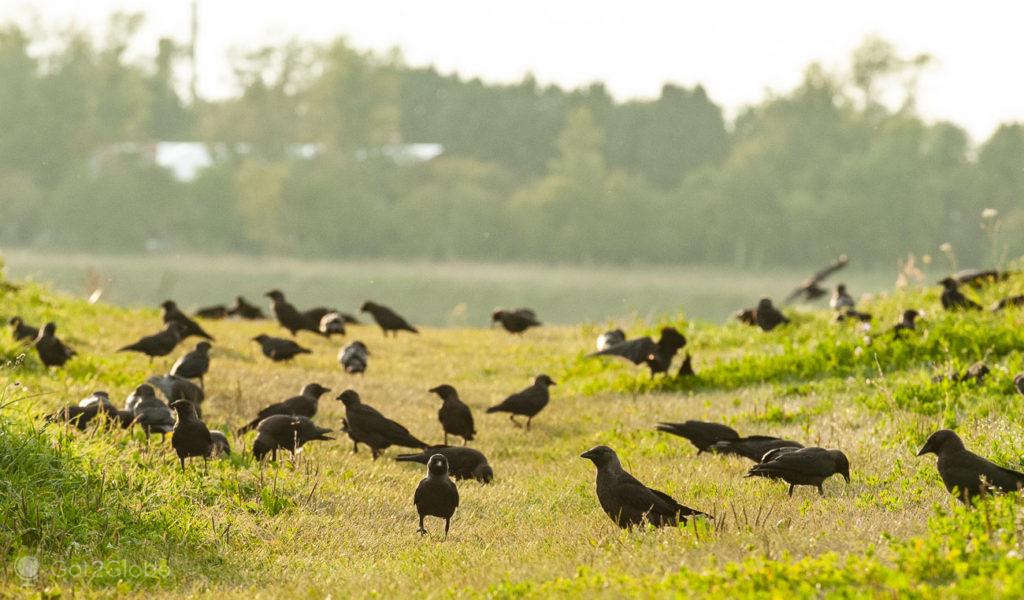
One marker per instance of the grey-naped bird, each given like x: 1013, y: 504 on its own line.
x: 629, y: 502
x: 354, y: 358
x: 455, y: 416
x: 174, y: 388
x: 279, y: 349
x: 194, y: 364
x: 806, y: 466
x: 365, y: 425
x: 149, y: 411
x: 841, y: 299
x: 963, y: 472
x: 287, y: 432
x: 610, y: 338
x: 463, y: 462
x: 51, y: 350
x: 436, y: 495
x: 656, y: 355
x: 331, y: 323
x: 515, y: 321
x: 189, y: 328
x: 528, y: 402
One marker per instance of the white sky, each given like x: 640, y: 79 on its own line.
x: 737, y: 48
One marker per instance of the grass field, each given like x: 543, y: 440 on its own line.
x: 103, y: 514
x: 440, y: 294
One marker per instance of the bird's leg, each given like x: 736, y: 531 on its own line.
x: 528, y: 419
x: 422, y: 530
x: 820, y: 490
x: 375, y: 452
x: 182, y: 459
x: 514, y: 422
x: 446, y: 438
x: 273, y: 455
x: 355, y: 447
x: 447, y: 522
x: 791, y: 489
x: 464, y: 441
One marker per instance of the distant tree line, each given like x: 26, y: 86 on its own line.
x: 528, y: 173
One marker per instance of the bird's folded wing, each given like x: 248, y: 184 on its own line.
x: 636, y: 351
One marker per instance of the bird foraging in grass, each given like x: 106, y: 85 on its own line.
x: 515, y: 321
x: 354, y: 358
x: 953, y: 299
x: 463, y: 462
x: 387, y: 319
x: 304, y: 405
x: 190, y: 437
x: 286, y: 432
x: 20, y: 331
x: 806, y: 466
x: 656, y: 355
x: 365, y: 425
x: 173, y: 314
x: 526, y: 403
x: 455, y: 416
x: 629, y: 502
x: 966, y: 474
x: 279, y: 349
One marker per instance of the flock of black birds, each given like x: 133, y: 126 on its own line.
x: 288, y: 425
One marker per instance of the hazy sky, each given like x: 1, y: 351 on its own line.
x: 737, y: 49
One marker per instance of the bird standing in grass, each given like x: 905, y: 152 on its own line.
x: 190, y: 437
x: 365, y: 425
x: 243, y: 309
x: 767, y: 317
x: 354, y: 358
x: 629, y: 502
x: 515, y: 321
x: 907, y: 322
x: 189, y: 328
x: 289, y: 317
x: 806, y: 466
x: 436, y: 495
x: 285, y: 432
x: 195, y: 364
x: 150, y: 412
x: 20, y: 331
x: 463, y: 462
x: 279, y: 349
x: 455, y: 416
x: 303, y: 405
x: 841, y: 299
x: 953, y: 299
x: 388, y: 319
x: 330, y: 324
x: 526, y: 403
x: 722, y: 439
x: 656, y: 355
x: 161, y: 343
x: 51, y: 350
x: 963, y: 472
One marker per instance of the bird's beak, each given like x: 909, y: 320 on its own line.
x: 846, y: 476
x: 553, y: 383
x: 924, y: 450
x: 588, y: 455
x: 433, y: 390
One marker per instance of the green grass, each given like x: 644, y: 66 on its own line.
x: 106, y: 515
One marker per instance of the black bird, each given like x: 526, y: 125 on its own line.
x: 354, y: 358
x: 701, y: 434
x: 1018, y: 383
x: 979, y: 277
x: 686, y: 367
x: 149, y: 411
x: 1008, y: 302
x: 190, y: 437
x: 105, y: 408
x: 161, y: 343
x: 767, y: 317
x: 841, y: 299
x: 388, y: 319
x: 528, y: 402
x: 610, y: 338
x: 96, y: 405
x: 52, y: 351
x: 953, y: 299
x: 195, y: 364
x: 907, y: 322
x: 189, y: 328
x: 244, y: 310
x: 303, y: 405
x: 436, y: 495
x: 455, y: 416
x: 965, y: 473
x: 22, y: 332
x: 746, y: 316
x: 806, y: 466
x: 656, y: 355
x: 365, y: 425
x: 217, y: 311
x: 809, y: 289
x: 629, y: 502
x: 288, y: 316
x: 220, y: 442
x: 851, y: 314
x: 463, y: 462
x: 722, y: 439
x: 279, y: 349
x: 287, y: 432
x: 515, y: 321
x: 330, y: 324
